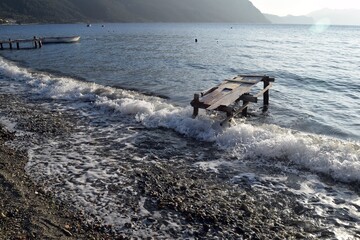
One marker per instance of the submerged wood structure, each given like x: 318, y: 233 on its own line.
x: 19, y: 44
x: 226, y: 96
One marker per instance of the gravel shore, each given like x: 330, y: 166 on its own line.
x: 26, y: 212
x: 203, y: 204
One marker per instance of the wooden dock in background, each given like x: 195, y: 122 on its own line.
x: 21, y: 44
x: 226, y: 96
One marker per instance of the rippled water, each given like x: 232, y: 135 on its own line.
x: 317, y: 73
x: 128, y: 88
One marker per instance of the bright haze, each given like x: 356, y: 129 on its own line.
x: 334, y: 12
x: 303, y: 7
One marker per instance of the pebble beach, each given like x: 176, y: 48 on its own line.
x: 205, y: 207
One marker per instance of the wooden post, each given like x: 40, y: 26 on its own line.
x: 244, y: 111
x: 10, y: 44
x: 196, y: 109
x: 17, y: 45
x: 229, y: 116
x: 1, y: 46
x: 246, y: 97
x: 266, y: 95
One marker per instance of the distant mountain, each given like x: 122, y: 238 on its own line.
x: 289, y: 19
x: 330, y: 16
x: 337, y: 17
x: 61, y: 11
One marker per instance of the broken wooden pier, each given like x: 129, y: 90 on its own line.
x: 227, y: 95
x: 21, y: 44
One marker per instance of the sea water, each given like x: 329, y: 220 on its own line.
x: 129, y: 87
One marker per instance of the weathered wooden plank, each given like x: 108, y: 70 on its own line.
x: 208, y: 91
x: 230, y: 97
x: 248, y: 98
x: 207, y: 99
x: 246, y: 79
x: 222, y: 90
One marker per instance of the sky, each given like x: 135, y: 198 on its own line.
x: 302, y: 7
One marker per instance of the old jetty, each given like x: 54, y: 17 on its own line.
x: 226, y: 96
x: 21, y: 44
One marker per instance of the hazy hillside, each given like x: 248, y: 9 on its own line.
x: 131, y: 11
x: 338, y: 17
x: 329, y: 16
x: 289, y: 19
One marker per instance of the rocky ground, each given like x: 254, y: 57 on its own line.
x: 207, y: 206
x: 26, y: 212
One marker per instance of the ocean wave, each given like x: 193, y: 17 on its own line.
x: 338, y: 159
x: 12, y: 70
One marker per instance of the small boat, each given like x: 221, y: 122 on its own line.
x: 47, y: 40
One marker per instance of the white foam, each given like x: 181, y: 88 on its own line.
x: 312, y: 187
x: 13, y: 71
x: 210, y: 165
x: 74, y: 172
x: 341, y: 234
x: 143, y: 210
x: 313, y: 194
x: 8, y: 124
x: 337, y: 158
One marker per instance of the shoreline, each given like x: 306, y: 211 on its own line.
x: 203, y: 204
x: 27, y: 212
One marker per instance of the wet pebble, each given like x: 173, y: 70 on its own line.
x: 212, y: 209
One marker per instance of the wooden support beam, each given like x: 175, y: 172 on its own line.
x: 270, y: 79
x: 267, y: 78
x: 244, y: 111
x: 266, y: 95
x: 1, y: 46
x: 10, y: 44
x: 264, y: 90
x: 17, y: 45
x: 248, y: 98
x: 196, y: 109
x: 229, y: 110
x: 228, y: 118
